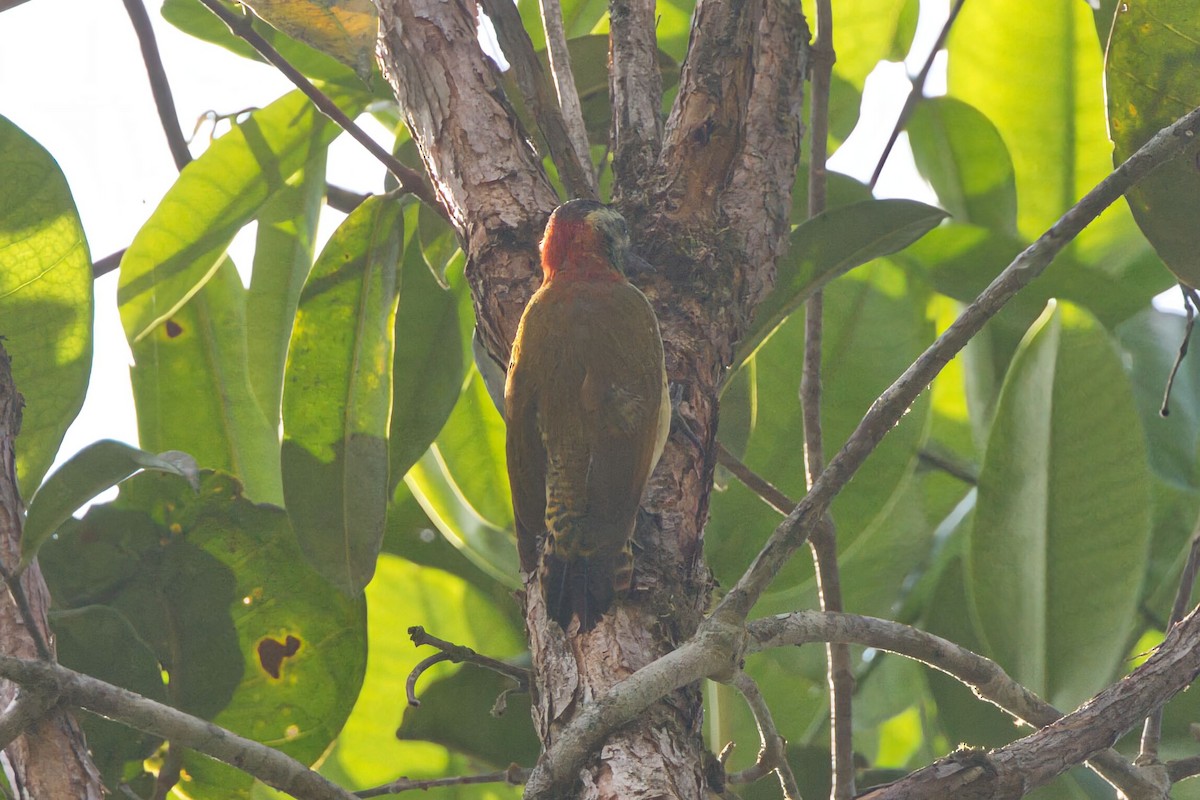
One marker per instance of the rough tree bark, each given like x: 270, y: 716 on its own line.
x: 50, y: 758
x: 708, y: 196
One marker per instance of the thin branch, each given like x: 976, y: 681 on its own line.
x: 409, y: 179
x: 518, y: 49
x: 954, y: 467
x: 458, y: 654
x: 12, y: 581
x: 754, y: 482
x: 983, y: 676
x: 916, y: 92
x: 160, y: 87
x: 1017, y: 768
x: 107, y: 264
x: 410, y: 685
x: 1191, y: 302
x: 343, y: 200
x: 772, y: 755
x: 514, y: 776
x: 839, y: 673
x: 30, y: 705
x: 564, y: 83
x: 267, y: 764
x: 887, y: 410
x: 1152, y: 730
x: 1183, y: 768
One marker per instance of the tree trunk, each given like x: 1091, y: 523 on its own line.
x: 50, y: 758
x: 708, y: 199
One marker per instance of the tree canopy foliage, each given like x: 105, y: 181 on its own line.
x: 320, y: 463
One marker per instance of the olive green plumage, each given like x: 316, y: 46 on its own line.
x: 587, y: 411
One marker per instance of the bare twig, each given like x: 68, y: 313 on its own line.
x: 754, y: 482
x: 107, y: 264
x: 457, y: 654
x: 887, y: 410
x: 343, y: 200
x: 31, y: 704
x: 564, y: 83
x: 265, y: 763
x: 1191, y: 302
x: 12, y: 581
x: 1183, y: 768
x: 1152, y: 730
x: 514, y: 776
x: 840, y: 675
x: 518, y: 49
x: 1017, y: 768
x: 916, y: 92
x: 409, y: 179
x: 410, y: 685
x: 954, y: 467
x: 772, y: 754
x: 160, y: 87
x: 983, y: 676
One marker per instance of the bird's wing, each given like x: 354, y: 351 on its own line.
x: 622, y: 396
x: 525, y: 454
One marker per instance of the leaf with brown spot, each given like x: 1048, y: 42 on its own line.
x: 272, y: 652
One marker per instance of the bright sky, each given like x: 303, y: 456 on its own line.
x: 71, y: 76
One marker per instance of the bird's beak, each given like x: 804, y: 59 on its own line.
x: 636, y: 265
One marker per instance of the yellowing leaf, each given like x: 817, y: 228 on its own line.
x: 1151, y: 75
x: 345, y: 29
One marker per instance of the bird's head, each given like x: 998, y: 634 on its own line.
x: 586, y: 240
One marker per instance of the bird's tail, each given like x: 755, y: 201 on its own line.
x: 584, y: 586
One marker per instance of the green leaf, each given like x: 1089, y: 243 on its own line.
x: 1153, y: 77
x: 1149, y: 344
x: 428, y: 371
x: 1054, y: 127
x: 404, y: 594
x: 462, y: 484
x: 831, y: 244
x: 283, y: 256
x: 960, y: 152
x: 338, y: 393
x: 963, y: 259
x: 45, y: 298
x: 251, y: 637
x: 345, y: 29
x: 882, y: 29
x: 962, y: 716
x: 1055, y: 559
x: 180, y: 246
x: 101, y: 643
x: 191, y: 17
x: 192, y: 388
x: 881, y: 530
x: 92, y: 470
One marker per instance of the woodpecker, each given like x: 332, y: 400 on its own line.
x: 588, y: 413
